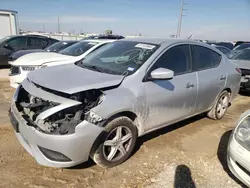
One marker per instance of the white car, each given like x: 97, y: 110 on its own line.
x: 29, y: 62
x: 238, y: 152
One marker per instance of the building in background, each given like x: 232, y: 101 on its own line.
x: 8, y: 23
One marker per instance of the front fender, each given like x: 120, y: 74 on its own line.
x: 116, y: 100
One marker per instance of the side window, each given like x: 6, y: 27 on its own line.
x: 204, y: 58
x: 37, y: 43
x: 176, y: 59
x: 18, y: 43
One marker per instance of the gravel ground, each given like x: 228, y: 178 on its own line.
x: 188, y: 154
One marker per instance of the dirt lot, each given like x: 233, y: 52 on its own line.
x: 187, y: 154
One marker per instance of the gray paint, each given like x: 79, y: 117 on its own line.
x: 72, y: 79
x: 156, y: 103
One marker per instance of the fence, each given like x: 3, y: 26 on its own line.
x: 66, y: 37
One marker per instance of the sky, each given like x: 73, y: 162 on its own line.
x: 204, y: 19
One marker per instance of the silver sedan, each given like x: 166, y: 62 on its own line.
x: 98, y: 107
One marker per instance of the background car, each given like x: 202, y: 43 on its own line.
x: 11, y: 44
x: 56, y: 47
x: 228, y: 45
x: 224, y: 50
x: 29, y: 62
x: 238, y: 152
x: 126, y: 89
x: 240, y: 47
x: 243, y: 60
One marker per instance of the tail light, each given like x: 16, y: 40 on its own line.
x: 238, y: 70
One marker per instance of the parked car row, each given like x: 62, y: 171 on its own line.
x: 96, y: 97
x: 76, y: 52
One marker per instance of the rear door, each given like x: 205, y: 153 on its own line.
x: 211, y: 71
x: 37, y: 43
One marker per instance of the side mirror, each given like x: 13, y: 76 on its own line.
x: 7, y: 46
x: 161, y: 74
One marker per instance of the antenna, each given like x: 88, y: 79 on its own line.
x: 180, y: 18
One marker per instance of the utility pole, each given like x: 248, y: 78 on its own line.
x: 58, y: 24
x: 43, y: 28
x: 180, y: 19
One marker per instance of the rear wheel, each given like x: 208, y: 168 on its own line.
x: 115, y: 145
x: 220, y: 107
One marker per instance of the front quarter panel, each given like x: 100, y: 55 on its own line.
x: 120, y: 100
x: 116, y: 100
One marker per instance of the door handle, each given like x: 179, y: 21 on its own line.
x: 189, y: 85
x: 222, y: 77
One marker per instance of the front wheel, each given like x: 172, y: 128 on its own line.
x: 116, y: 144
x: 220, y: 107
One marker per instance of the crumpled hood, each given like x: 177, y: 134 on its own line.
x: 243, y: 64
x: 71, y: 78
x: 39, y: 58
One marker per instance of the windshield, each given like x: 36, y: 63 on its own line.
x: 78, y: 48
x: 58, y: 46
x: 121, y: 57
x: 243, y: 55
x: 242, y: 46
x: 4, y: 39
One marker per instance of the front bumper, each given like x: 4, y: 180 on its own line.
x: 75, y: 147
x: 238, y: 160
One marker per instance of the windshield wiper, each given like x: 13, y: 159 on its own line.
x: 92, y: 67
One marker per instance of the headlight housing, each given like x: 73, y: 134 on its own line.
x: 242, y: 133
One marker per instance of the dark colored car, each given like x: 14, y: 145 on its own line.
x: 11, y: 44
x: 56, y: 47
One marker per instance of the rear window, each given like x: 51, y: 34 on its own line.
x: 204, y: 58
x: 78, y: 48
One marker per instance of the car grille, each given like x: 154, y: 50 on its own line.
x: 27, y: 68
x: 14, y: 70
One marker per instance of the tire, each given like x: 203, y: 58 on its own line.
x: 219, y: 109
x: 115, y: 144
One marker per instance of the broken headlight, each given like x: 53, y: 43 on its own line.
x: 92, y: 117
x: 242, y: 133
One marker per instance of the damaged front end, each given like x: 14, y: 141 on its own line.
x: 57, y: 113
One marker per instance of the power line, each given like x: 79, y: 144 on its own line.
x: 180, y: 18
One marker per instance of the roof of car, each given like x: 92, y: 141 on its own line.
x: 98, y: 40
x: 158, y: 40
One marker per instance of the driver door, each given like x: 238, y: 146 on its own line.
x: 171, y: 100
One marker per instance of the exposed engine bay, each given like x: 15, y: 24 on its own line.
x: 62, y: 121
